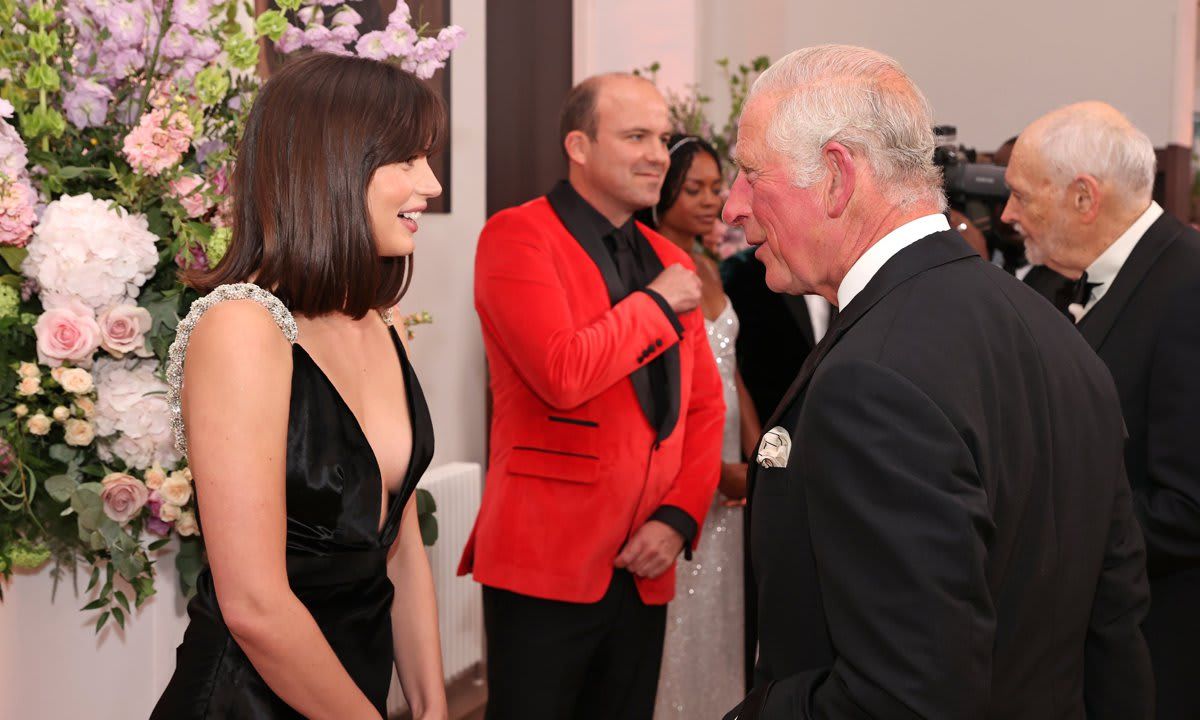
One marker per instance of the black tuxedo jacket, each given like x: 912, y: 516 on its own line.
x: 1147, y: 330
x: 1050, y: 285
x: 952, y: 535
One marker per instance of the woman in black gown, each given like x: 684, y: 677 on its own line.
x: 301, y: 416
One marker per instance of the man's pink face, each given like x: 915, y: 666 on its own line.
x: 785, y: 222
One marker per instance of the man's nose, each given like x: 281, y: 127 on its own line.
x: 737, y: 205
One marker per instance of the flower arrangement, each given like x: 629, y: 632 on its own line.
x: 117, y: 123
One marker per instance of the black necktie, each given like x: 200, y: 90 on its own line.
x: 1081, y: 292
x: 626, y: 260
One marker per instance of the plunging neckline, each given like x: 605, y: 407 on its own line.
x: 405, y: 371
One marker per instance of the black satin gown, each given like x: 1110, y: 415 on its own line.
x: 336, y: 557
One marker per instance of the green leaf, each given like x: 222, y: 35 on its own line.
x: 60, y: 487
x: 120, y: 616
x: 71, y: 172
x: 95, y: 578
x: 13, y: 257
x: 425, y: 502
x: 63, y: 453
x: 429, y: 529
x: 127, y: 566
x: 122, y: 600
x: 86, y: 501
x: 95, y: 604
x: 96, y: 541
x: 100, y: 623
x: 158, y: 544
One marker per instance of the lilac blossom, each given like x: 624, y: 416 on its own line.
x: 178, y: 43
x: 372, y: 45
x: 127, y: 23
x: 347, y: 16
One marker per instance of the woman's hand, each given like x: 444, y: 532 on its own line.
x: 733, y: 483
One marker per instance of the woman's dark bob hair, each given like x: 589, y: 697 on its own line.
x: 317, y: 132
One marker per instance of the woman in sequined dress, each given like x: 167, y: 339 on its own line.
x: 703, y: 659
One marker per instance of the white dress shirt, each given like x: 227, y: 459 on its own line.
x: 878, y: 254
x: 1104, y: 269
x: 819, y: 311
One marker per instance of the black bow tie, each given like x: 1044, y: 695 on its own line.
x: 1081, y: 292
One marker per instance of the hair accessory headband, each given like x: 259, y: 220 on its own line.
x: 681, y: 142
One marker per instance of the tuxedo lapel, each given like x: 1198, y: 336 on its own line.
x: 928, y: 252
x: 1096, y: 325
x: 588, y: 238
x: 652, y: 265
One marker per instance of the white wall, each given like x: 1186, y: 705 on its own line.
x: 623, y: 35
x: 987, y: 67
x: 448, y: 355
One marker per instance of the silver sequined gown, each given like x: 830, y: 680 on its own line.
x: 702, y: 672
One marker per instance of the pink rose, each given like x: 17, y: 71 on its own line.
x: 123, y: 330
x: 123, y: 496
x: 67, y: 331
x: 189, y: 191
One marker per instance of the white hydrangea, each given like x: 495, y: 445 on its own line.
x: 85, y: 249
x: 132, y: 419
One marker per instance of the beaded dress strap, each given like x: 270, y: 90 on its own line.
x: 239, y: 291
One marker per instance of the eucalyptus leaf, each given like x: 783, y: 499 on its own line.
x: 85, y: 500
x: 96, y: 541
x: 127, y: 566
x: 60, y: 487
x: 63, y: 453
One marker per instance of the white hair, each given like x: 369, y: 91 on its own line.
x: 1095, y: 139
x: 862, y: 99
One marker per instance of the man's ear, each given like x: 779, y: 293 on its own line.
x: 577, y: 144
x: 1086, y: 197
x: 842, y: 176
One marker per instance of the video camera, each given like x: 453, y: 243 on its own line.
x: 963, y: 178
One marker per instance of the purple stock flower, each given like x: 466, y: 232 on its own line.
x: 317, y: 36
x: 127, y: 23
x: 208, y: 147
x: 345, y: 34
x: 347, y: 16
x: 177, y: 43
x: 399, y: 40
x: 311, y: 15
x: 401, y: 15
x: 87, y: 103
x: 372, y: 45
x: 206, y: 49
x: 291, y: 40
x: 195, y: 259
x: 188, y: 69
x: 192, y: 14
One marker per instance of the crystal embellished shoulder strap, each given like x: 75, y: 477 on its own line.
x: 240, y: 291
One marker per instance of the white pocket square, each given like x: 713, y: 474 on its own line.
x: 774, y: 449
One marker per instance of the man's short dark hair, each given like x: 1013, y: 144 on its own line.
x: 579, y: 109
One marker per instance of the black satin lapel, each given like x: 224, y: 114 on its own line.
x: 592, y: 244
x: 798, y: 309
x: 1096, y: 325
x: 928, y: 252
x: 652, y: 264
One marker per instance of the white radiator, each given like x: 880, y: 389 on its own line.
x: 457, y: 488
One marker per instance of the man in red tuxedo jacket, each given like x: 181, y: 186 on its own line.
x: 607, y: 422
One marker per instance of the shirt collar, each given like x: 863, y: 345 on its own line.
x: 877, y: 255
x: 1104, y: 269
x: 570, y: 201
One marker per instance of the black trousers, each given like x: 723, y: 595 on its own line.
x: 552, y: 660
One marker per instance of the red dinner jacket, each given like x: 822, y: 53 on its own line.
x: 575, y: 467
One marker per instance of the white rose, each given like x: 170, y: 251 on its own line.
x: 176, y: 490
x: 169, y: 513
x: 21, y: 410
x: 38, y: 424
x: 80, y: 432
x: 76, y: 381
x: 29, y: 386
x: 29, y: 370
x: 61, y: 413
x: 57, y: 373
x: 186, y: 524
x: 155, y: 477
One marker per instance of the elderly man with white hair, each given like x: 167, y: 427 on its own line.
x: 1081, y: 178
x: 940, y: 524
